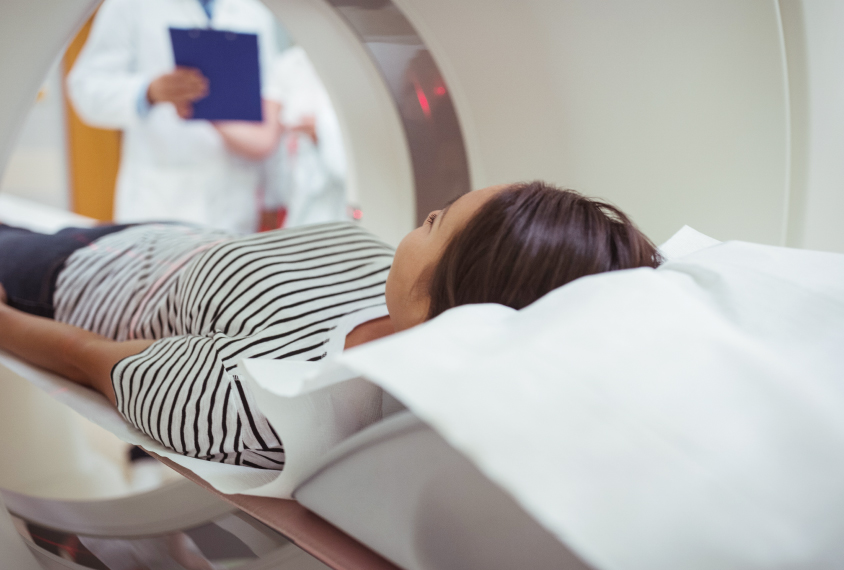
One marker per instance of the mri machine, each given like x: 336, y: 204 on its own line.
x: 680, y: 112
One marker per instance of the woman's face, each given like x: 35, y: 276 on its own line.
x: 407, y: 291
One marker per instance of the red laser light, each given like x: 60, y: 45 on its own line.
x: 423, y: 100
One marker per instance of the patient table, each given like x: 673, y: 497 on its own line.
x: 400, y: 489
x: 394, y: 495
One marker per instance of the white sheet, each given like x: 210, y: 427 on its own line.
x: 685, y: 242
x: 686, y: 417
x: 24, y: 213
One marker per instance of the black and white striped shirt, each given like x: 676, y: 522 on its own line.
x: 211, y: 299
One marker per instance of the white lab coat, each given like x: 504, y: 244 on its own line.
x: 310, y: 180
x: 170, y: 169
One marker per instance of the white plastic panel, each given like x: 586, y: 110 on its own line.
x: 815, y: 49
x: 32, y: 34
x: 14, y: 551
x: 399, y: 488
x: 676, y: 111
x: 170, y: 508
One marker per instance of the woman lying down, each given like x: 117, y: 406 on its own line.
x: 156, y: 316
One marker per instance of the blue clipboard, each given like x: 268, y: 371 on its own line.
x: 230, y: 62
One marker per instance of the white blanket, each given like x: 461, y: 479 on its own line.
x: 686, y: 417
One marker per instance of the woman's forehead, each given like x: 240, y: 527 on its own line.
x: 468, y: 203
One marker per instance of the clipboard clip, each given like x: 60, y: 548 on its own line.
x: 194, y: 34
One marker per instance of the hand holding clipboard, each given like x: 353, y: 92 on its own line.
x: 181, y: 87
x: 227, y: 64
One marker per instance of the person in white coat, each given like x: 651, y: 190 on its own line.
x: 172, y: 168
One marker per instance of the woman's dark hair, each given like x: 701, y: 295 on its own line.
x: 529, y: 239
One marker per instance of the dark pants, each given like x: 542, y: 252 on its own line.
x: 30, y: 263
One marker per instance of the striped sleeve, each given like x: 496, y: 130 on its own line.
x: 180, y: 393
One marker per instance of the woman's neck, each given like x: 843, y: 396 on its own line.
x: 368, y: 331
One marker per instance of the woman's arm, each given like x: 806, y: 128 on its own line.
x: 79, y: 355
x: 255, y: 141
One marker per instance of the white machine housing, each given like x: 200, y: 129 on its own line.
x: 725, y: 115
x: 720, y: 115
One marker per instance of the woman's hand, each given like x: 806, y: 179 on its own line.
x: 4, y: 299
x: 79, y: 355
x: 307, y: 127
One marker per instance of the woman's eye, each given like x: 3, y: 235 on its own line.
x: 431, y: 218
